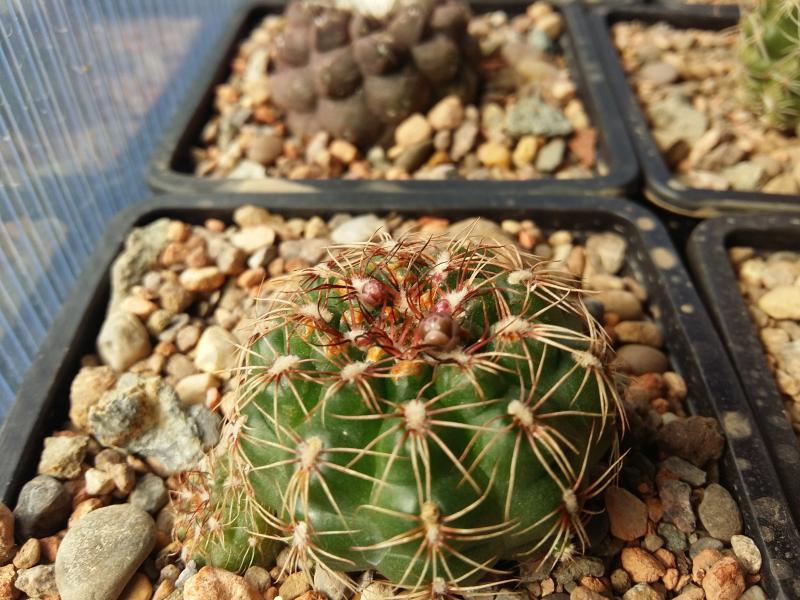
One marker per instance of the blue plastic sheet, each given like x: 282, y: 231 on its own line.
x: 86, y: 88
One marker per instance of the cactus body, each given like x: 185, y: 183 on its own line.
x: 420, y: 408
x: 769, y: 49
x: 355, y: 75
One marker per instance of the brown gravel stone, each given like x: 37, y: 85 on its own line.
x: 218, y: 584
x: 724, y: 580
x: 626, y: 513
x: 204, y: 279
x: 6, y: 534
x: 28, y: 554
x: 696, y: 439
x: 294, y: 586
x: 8, y: 576
x: 642, y: 566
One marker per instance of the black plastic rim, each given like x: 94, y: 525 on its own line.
x: 662, y: 187
x: 715, y: 274
x: 692, y: 344
x: 615, y: 150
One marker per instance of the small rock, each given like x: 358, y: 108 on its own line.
x: 620, y: 302
x: 641, y: 565
x: 493, y: 154
x: 192, y: 389
x: 208, y: 424
x: 578, y: 593
x: 8, y: 575
x: 626, y: 513
x: 414, y: 130
x: 642, y: 591
x: 150, y: 493
x: 551, y: 155
x: 144, y: 416
x: 464, y: 140
x: 37, y: 582
x: 677, y: 505
x: 100, y: 554
x: 675, y: 120
x: 705, y: 543
x: 6, y: 534
x: 567, y: 572
x: 98, y: 483
x: 265, y: 149
x: 685, y: 470
x: 639, y: 332
x: 377, y: 590
x: 638, y: 359
x: 138, y: 588
x: 533, y: 116
x: 525, y: 151
x: 42, y: 509
x: 62, y: 456
x: 782, y: 302
x: 88, y: 386
x: 744, y: 176
x: 413, y: 157
x: 724, y: 580
x: 332, y: 584
x: 747, y: 553
x: 358, y: 229
x: 218, y: 584
x: 248, y: 169
x: 696, y: 439
x: 259, y: 578
x: 583, y: 145
x: 123, y: 340
x: 216, y: 351
x: 755, y: 592
x: 143, y: 247
x: 28, y: 554
x: 254, y: 238
x: 343, y: 151
x: 447, y: 114
x: 294, y: 585
x: 658, y: 73
x: 674, y: 538
x: 203, y: 279
x: 719, y: 514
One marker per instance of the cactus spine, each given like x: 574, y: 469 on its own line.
x: 769, y: 50
x: 424, y: 408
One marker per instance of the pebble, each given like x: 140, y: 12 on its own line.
x: 578, y: 593
x: 677, y: 505
x: 294, y: 585
x: 754, y: 592
x: 62, y: 456
x: 641, y: 565
x: 638, y: 359
x: 448, y: 113
x: 85, y: 391
x: 550, y: 156
x: 639, y: 332
x: 100, y: 554
x: 685, y: 470
x: 620, y: 302
x: 586, y: 566
x: 464, y: 140
x: 532, y: 116
x: 122, y: 341
x: 724, y: 580
x: 8, y: 575
x: 217, y: 584
x: 203, y: 279
x: 150, y: 493
x: 494, y: 154
x: 28, y: 554
x: 216, y: 350
x: 358, y: 229
x: 42, y: 508
x: 414, y: 130
x: 525, y: 151
x: 265, y: 149
x: 192, y: 389
x: 98, y: 483
x: 696, y: 439
x: 37, y: 582
x: 705, y: 543
x: 642, y: 591
x: 782, y: 302
x: 674, y: 538
x: 626, y: 513
x: 719, y: 514
x: 747, y: 553
x: 253, y: 238
x: 138, y: 588
x: 658, y: 73
x: 259, y: 578
x: 332, y: 584
x: 143, y: 246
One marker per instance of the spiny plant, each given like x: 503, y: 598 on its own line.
x: 354, y: 72
x: 769, y: 49
x: 425, y: 408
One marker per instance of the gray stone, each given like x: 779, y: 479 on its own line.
x: 62, y: 456
x: 37, y: 582
x: 674, y: 538
x: 658, y: 73
x: 703, y: 544
x: 642, y: 591
x: 102, y: 551
x: 358, y: 229
x: 150, y: 493
x: 719, y: 514
x: 755, y: 592
x: 265, y: 148
x: 413, y: 157
x: 208, y: 424
x: 332, y: 584
x: 143, y: 415
x: 533, y: 116
x: 464, y: 140
x: 312, y: 251
x: 674, y: 120
x: 697, y: 439
x: 42, y: 509
x: 747, y: 553
x: 676, y: 502
x: 551, y: 155
x: 142, y: 249
x: 685, y: 470
x: 582, y: 567
x: 638, y: 359
x: 488, y: 230
x: 745, y: 176
x: 606, y: 252
x: 123, y: 340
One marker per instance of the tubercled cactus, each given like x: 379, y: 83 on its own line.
x: 425, y: 408
x: 344, y: 68
x: 769, y: 49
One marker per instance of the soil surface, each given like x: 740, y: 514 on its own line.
x: 687, y: 81
x: 98, y: 517
x: 527, y: 122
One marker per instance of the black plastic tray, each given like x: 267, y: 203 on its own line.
x: 696, y: 352
x: 708, y: 253
x: 170, y: 168
x: 661, y: 186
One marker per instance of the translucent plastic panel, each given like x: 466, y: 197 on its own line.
x: 86, y: 88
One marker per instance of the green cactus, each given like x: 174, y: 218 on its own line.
x: 424, y: 408
x: 769, y: 50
